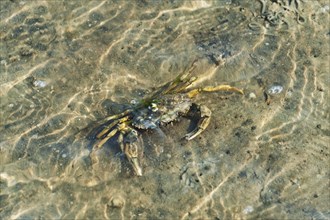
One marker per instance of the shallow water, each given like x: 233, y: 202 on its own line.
x: 65, y: 65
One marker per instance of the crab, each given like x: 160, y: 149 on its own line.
x: 163, y: 106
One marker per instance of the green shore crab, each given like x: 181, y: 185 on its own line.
x: 163, y: 106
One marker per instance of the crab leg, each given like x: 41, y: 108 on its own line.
x: 195, y: 92
x: 185, y: 84
x: 204, y: 121
x: 112, y: 117
x: 131, y: 149
x: 177, y: 82
x: 102, y: 142
x: 222, y: 88
x: 187, y: 73
x: 108, y: 127
x: 182, y: 81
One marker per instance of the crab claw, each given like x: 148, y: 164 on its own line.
x: 136, y: 166
x: 204, y: 121
x: 131, y: 150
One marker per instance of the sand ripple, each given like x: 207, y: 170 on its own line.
x: 66, y: 65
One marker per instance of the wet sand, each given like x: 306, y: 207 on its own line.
x: 65, y: 66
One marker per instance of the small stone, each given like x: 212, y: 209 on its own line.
x: 274, y: 89
x: 117, y: 202
x: 252, y: 95
x: 39, y: 83
x: 248, y: 209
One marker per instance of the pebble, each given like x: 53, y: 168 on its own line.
x: 274, y: 89
x: 117, y: 202
x: 248, y: 209
x: 325, y: 9
x: 252, y: 95
x: 39, y: 83
x: 168, y: 156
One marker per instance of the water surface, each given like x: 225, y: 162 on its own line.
x: 65, y: 65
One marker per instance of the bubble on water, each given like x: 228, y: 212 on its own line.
x: 274, y: 89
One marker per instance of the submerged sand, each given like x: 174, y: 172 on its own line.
x: 66, y: 65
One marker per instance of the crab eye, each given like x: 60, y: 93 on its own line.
x: 154, y: 107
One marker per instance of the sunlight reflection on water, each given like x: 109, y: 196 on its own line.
x: 65, y: 67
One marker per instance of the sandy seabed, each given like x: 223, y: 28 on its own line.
x: 66, y: 65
